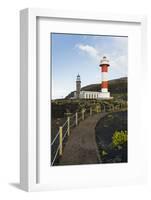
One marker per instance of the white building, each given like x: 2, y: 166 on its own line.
x: 87, y: 95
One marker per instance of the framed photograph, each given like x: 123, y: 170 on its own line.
x: 82, y: 80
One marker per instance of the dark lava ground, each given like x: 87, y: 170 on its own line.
x: 104, y: 130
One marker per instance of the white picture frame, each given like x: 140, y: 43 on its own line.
x: 29, y: 148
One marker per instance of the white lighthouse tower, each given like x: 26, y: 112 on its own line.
x: 104, y: 65
x: 78, y: 86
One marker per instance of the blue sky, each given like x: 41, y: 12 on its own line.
x: 75, y: 53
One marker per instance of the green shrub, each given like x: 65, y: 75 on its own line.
x: 119, y: 138
x: 104, y: 153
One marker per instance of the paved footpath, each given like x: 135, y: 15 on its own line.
x: 81, y: 147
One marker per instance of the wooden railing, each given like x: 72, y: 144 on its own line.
x: 73, y: 121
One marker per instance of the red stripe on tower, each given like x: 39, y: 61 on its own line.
x: 104, y: 84
x: 104, y: 64
x: 104, y: 68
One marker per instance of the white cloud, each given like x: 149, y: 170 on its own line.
x: 90, y: 50
x: 117, y: 57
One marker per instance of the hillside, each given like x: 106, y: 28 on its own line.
x: 116, y: 86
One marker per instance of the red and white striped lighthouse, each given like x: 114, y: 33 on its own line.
x: 104, y: 64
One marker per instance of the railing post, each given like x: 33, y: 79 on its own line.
x: 76, y: 119
x: 60, y: 140
x: 97, y: 109
x: 82, y: 114
x: 68, y: 125
x: 104, y: 108
x: 90, y: 111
